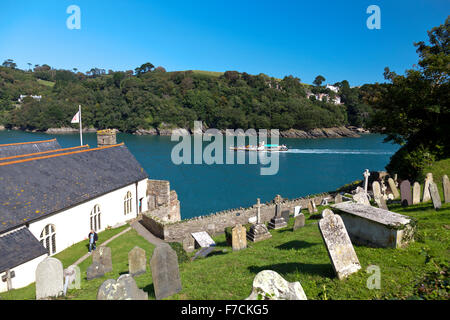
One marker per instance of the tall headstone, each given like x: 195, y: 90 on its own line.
x: 393, y: 188
x: 165, y: 272
x: 49, y: 278
x: 299, y: 221
x: 434, y: 193
x: 376, y: 189
x: 416, y: 193
x: 102, y: 255
x: 426, y: 189
x: 405, y: 190
x: 285, y: 215
x: 446, y: 188
x: 366, y: 175
x: 340, y: 249
x: 137, y: 261
x: 277, y: 221
x: 125, y: 288
x: 239, y: 237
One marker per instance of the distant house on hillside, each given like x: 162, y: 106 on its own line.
x: 23, y: 96
x: 320, y: 96
x: 332, y: 88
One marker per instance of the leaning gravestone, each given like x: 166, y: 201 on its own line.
x: 426, y: 189
x: 124, y: 288
x: 405, y: 190
x: 165, y: 272
x: 299, y: 221
x: 269, y: 285
x: 446, y: 188
x: 203, y: 239
x: 393, y: 188
x: 49, y: 278
x: 434, y: 193
x: 416, y: 193
x: 137, y: 262
x: 239, y: 238
x: 102, y: 256
x: 381, y: 202
x: 340, y: 249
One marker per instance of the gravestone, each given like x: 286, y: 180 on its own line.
x: 137, y: 261
x: 102, y: 256
x: 434, y: 193
x: 285, y: 215
x: 239, y: 237
x: 324, y: 202
x: 446, y: 188
x: 340, y: 249
x: 381, y: 203
x: 338, y: 198
x: 269, y: 285
x: 405, y: 190
x: 95, y: 270
x: 326, y: 212
x: 49, y: 278
x: 124, y: 288
x: 361, y: 197
x: 426, y: 189
x: 7, y: 278
x: 393, y: 188
x: 310, y: 207
x: 376, y: 189
x: 258, y: 231
x: 366, y: 175
x: 203, y: 239
x: 71, y: 278
x: 165, y: 272
x: 297, y: 210
x: 416, y: 193
x: 299, y: 221
x: 189, y: 243
x: 277, y: 221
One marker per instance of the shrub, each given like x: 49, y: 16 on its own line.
x: 178, y: 248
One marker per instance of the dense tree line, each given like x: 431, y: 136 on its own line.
x: 151, y: 97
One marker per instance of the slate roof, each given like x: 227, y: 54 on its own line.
x: 14, y: 149
x: 41, y: 154
x: 42, y: 186
x: 18, y: 247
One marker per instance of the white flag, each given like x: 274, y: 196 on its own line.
x: 76, y: 118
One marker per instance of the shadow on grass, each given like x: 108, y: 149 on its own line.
x: 323, y: 270
x: 150, y: 289
x: 295, y: 244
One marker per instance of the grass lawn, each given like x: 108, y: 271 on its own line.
x: 46, y: 83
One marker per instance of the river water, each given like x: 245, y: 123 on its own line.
x: 310, y: 166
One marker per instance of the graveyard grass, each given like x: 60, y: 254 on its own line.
x: 297, y: 256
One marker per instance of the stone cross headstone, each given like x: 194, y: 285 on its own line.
x: 137, y: 261
x: 239, y: 237
x: 49, y: 278
x: 446, y: 188
x: 393, y: 188
x: 7, y: 278
x: 299, y: 221
x: 340, y: 249
x: 338, y: 198
x: 258, y: 208
x: 405, y: 190
x: 434, y: 193
x: 165, y: 272
x: 366, y: 175
x: 188, y: 243
x: 426, y: 189
x: 416, y: 193
x: 125, y: 288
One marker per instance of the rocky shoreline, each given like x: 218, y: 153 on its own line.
x: 335, y: 132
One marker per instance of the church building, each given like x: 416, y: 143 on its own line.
x: 51, y: 197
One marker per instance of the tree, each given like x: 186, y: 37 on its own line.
x: 9, y: 63
x: 318, y: 81
x: 414, y: 110
x: 146, y: 67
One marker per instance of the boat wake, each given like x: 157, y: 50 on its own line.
x: 339, y: 151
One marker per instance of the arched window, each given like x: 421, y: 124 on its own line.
x: 48, y: 238
x: 95, y: 218
x: 128, y: 200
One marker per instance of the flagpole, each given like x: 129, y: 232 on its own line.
x: 81, y: 132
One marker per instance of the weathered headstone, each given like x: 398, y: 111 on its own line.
x: 393, y: 188
x: 203, y: 239
x: 361, y: 197
x: 405, y: 190
x: 124, y: 288
x: 277, y: 221
x: 137, y: 261
x: 310, y: 207
x: 165, y: 272
x: 381, y: 203
x: 269, y: 285
x: 416, y: 193
x: 340, y: 249
x: 188, y: 243
x: 326, y: 212
x: 72, y: 278
x: 285, y: 215
x: 239, y: 237
x: 338, y: 198
x: 95, y: 270
x: 299, y: 221
x: 446, y: 188
x: 49, y: 278
x: 102, y: 255
x: 426, y: 189
x: 434, y: 193
x: 258, y: 232
x: 376, y: 189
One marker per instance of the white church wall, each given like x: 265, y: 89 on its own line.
x: 24, y: 274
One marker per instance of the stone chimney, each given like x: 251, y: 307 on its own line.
x: 106, y: 137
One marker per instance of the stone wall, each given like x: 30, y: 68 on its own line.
x: 158, y: 192
x: 217, y: 222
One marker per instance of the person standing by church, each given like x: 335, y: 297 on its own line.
x: 92, y: 240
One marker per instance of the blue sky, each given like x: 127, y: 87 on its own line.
x: 278, y: 38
